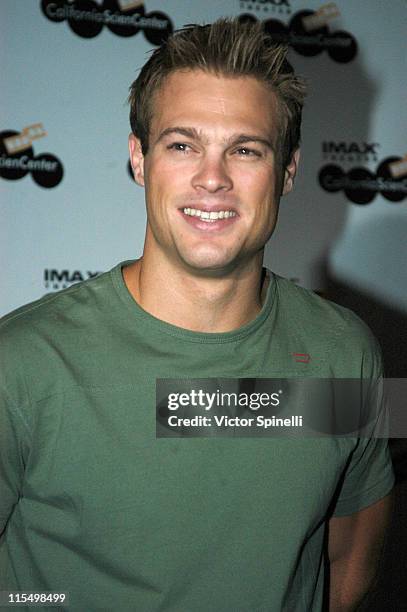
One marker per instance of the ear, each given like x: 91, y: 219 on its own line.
x: 290, y: 172
x: 136, y: 159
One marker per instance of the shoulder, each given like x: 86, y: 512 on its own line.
x: 33, y: 336
x: 52, y: 310
x: 45, y: 340
x: 334, y: 334
x: 304, y: 306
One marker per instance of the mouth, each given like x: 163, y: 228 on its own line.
x: 209, y: 216
x: 216, y: 219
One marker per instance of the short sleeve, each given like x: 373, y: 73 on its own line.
x: 368, y: 478
x: 369, y: 474
x: 13, y: 447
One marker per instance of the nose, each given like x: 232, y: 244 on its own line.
x: 212, y: 175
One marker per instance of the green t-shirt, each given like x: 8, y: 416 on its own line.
x: 93, y: 504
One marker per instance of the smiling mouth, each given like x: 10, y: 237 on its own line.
x: 209, y: 217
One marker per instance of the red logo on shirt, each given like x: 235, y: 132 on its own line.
x: 302, y: 357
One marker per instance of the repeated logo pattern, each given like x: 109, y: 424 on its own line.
x: 125, y: 18
x: 308, y: 38
x: 361, y: 186
x: 17, y: 158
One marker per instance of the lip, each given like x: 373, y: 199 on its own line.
x: 210, y: 207
x: 213, y: 226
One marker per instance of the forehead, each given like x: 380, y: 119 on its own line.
x: 213, y: 103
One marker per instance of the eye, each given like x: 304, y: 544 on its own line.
x: 179, y: 146
x: 246, y: 152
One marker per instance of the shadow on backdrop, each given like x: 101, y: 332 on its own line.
x: 389, y: 325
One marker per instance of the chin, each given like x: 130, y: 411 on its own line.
x: 209, y: 265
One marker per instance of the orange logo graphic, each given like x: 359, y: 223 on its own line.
x: 320, y: 18
x: 23, y: 140
x: 398, y: 168
x: 127, y: 5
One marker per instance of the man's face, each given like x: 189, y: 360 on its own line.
x: 211, y: 172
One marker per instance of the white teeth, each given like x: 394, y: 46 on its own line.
x: 209, y: 216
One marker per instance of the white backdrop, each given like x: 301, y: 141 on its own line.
x: 66, y: 68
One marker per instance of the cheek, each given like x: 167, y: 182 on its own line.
x: 258, y: 193
x: 165, y: 180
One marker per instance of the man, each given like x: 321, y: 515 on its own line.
x: 93, y: 503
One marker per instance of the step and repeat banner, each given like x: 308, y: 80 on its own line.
x: 69, y: 206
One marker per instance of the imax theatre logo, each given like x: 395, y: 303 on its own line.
x: 126, y: 18
x: 361, y: 186
x: 266, y: 6
x: 17, y: 157
x: 350, y: 151
x: 308, y: 33
x: 61, y: 279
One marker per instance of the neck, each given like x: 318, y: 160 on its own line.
x: 197, y: 303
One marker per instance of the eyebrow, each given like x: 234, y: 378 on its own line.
x: 233, y: 140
